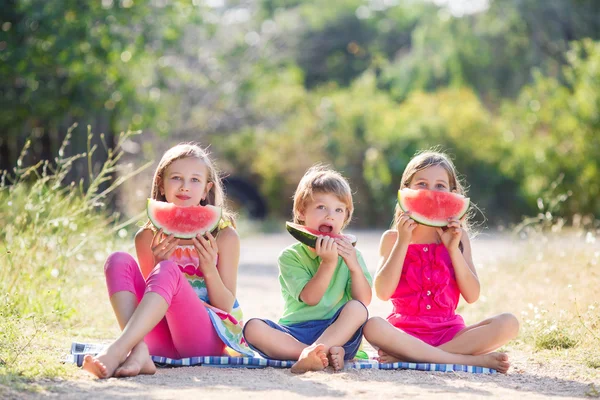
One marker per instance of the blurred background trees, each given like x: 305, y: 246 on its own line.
x: 511, y: 89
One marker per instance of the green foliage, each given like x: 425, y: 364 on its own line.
x: 456, y: 52
x: 509, y: 158
x: 511, y: 92
x: 554, y: 127
x: 370, y: 141
x: 443, y: 82
x: 51, y: 230
x: 98, y: 62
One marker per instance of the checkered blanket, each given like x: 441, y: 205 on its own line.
x: 79, y: 350
x: 374, y: 364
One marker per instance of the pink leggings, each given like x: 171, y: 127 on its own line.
x: 186, y: 330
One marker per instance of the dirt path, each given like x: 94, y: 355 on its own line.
x: 259, y: 296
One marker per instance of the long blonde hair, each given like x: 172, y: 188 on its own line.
x: 428, y: 159
x: 215, y: 196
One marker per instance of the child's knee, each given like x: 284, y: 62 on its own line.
x: 510, y: 324
x: 252, y: 329
x: 357, y: 309
x: 373, y: 325
x: 166, y: 267
x: 118, y: 259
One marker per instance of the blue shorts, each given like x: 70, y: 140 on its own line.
x: 309, y: 331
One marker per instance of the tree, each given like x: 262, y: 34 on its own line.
x: 93, y: 62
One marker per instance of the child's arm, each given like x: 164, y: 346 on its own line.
x: 151, y: 249
x: 219, y: 259
x: 313, y: 291
x: 392, y: 252
x: 464, y: 268
x: 361, y: 288
x: 391, y: 261
x: 466, y: 275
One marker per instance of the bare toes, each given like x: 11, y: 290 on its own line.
x: 94, y: 366
x: 324, y: 359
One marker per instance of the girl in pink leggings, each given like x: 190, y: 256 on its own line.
x: 180, y: 300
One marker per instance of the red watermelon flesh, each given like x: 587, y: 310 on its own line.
x: 309, y: 236
x: 183, y: 222
x: 432, y: 208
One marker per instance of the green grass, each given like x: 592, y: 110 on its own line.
x: 554, y: 339
x: 549, y: 280
x: 55, y: 237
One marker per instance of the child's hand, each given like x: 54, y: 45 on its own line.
x: 327, y: 249
x: 163, y: 247
x: 405, y: 227
x: 207, y: 250
x: 452, y: 235
x: 348, y: 253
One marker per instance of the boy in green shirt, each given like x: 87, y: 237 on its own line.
x: 325, y: 289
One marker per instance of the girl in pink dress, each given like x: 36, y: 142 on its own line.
x: 424, y: 271
x: 179, y: 301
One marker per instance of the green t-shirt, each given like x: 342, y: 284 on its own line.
x: 297, y: 265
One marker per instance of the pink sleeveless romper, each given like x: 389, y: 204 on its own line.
x: 427, y: 295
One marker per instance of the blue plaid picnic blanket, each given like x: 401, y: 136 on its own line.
x: 79, y: 350
x: 372, y: 363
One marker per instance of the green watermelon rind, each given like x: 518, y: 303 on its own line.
x: 429, y: 222
x: 308, y: 238
x: 181, y: 235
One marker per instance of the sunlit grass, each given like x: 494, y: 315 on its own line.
x: 55, y: 237
x: 549, y: 278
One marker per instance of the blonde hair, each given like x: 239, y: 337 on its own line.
x: 216, y: 195
x: 322, y: 179
x: 425, y: 160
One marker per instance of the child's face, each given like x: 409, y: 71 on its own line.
x: 184, y: 182
x: 325, y: 213
x: 431, y: 178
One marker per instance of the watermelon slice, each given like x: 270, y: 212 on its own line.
x: 432, y: 208
x: 309, y: 236
x: 183, y: 222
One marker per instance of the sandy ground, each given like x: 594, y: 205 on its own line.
x: 258, y: 293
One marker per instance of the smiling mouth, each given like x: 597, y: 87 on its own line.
x: 182, y: 197
x: 325, y: 228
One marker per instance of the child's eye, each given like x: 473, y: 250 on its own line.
x: 195, y: 180
x: 321, y: 207
x: 441, y: 186
x: 421, y: 184
x: 175, y: 178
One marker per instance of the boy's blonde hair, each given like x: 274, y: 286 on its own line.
x: 428, y: 159
x: 216, y: 195
x: 322, y: 179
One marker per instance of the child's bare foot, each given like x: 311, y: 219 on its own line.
x: 94, y: 366
x: 497, y: 361
x: 102, y: 365
x: 386, y: 358
x: 313, y: 358
x: 336, y: 357
x: 138, y: 362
